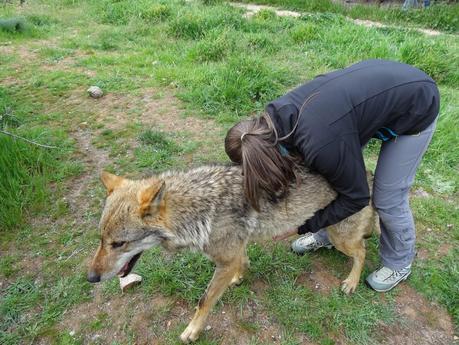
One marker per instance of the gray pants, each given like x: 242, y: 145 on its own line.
x: 394, y: 175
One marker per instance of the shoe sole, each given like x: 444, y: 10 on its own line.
x: 388, y: 289
x: 308, y: 251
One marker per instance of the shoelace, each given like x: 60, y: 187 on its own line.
x: 394, y: 274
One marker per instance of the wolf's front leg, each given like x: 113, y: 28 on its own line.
x: 222, y: 278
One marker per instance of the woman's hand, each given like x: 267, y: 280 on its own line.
x: 285, y: 235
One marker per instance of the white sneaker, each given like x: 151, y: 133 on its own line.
x: 386, y: 279
x: 308, y: 243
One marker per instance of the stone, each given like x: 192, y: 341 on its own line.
x: 95, y: 92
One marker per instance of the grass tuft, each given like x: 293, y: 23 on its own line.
x: 157, y: 12
x: 215, y: 46
x: 304, y: 33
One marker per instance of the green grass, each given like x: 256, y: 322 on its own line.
x: 45, y: 301
x: 441, y: 274
x: 157, y: 151
x: 223, y: 67
x: 27, y: 170
x: 438, y: 16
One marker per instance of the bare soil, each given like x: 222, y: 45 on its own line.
x: 318, y: 278
x: 421, y: 323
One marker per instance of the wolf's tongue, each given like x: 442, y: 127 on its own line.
x: 125, y: 267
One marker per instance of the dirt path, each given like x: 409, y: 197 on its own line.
x: 253, y: 9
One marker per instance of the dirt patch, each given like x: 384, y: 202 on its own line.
x: 439, y: 252
x: 372, y: 24
x: 152, y: 319
x: 94, y: 161
x: 234, y: 325
x: 23, y: 52
x: 421, y: 322
x: 105, y: 319
x: 153, y: 108
x: 318, y: 278
x: 157, y: 109
x: 10, y: 81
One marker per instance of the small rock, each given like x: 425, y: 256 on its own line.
x: 95, y: 92
x: 208, y: 328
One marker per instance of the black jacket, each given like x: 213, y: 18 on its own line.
x: 352, y: 105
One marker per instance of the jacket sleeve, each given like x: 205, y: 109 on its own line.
x: 344, y: 169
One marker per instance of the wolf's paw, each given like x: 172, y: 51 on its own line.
x: 348, y: 286
x: 237, y: 280
x: 190, y: 334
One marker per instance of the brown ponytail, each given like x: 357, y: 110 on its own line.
x: 254, y: 144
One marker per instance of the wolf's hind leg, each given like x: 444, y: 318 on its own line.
x: 223, y: 276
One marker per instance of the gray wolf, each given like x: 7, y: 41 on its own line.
x: 204, y: 209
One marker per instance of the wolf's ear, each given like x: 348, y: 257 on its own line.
x: 151, y: 197
x: 110, y: 181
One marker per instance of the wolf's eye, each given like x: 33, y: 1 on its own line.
x: 117, y: 244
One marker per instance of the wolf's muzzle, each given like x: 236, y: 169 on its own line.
x: 93, y: 277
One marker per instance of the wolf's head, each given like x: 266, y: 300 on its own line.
x: 134, y: 219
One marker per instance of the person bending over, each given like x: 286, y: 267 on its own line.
x: 328, y: 121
